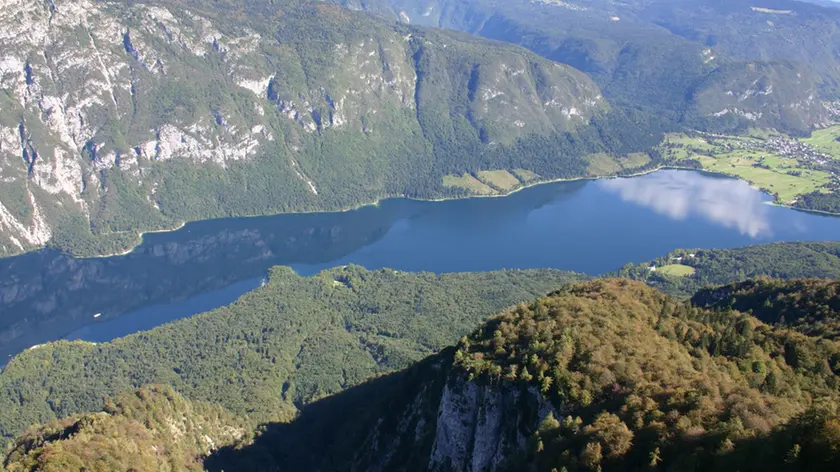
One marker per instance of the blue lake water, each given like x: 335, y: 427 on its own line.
x: 587, y: 226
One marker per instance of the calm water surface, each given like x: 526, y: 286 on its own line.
x: 593, y: 227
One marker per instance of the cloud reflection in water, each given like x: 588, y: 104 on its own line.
x: 680, y: 194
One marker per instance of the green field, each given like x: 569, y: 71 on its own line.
x: 525, y: 175
x: 676, y: 270
x: 500, y: 179
x: 468, y: 183
x: 826, y: 140
x: 783, y: 177
x: 605, y: 165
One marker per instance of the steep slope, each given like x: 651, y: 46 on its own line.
x: 292, y: 341
x: 648, y: 53
x: 809, y: 306
x: 310, y: 337
x: 153, y: 428
x: 776, y: 94
x: 120, y: 117
x: 605, y: 375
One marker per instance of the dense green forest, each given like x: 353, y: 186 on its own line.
x: 810, y: 306
x: 645, y: 381
x: 151, y: 429
x: 281, y: 346
x: 602, y: 375
x: 713, y: 267
x: 310, y: 337
x: 819, y: 201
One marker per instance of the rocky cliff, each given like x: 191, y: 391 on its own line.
x: 119, y: 117
x: 666, y: 55
x: 604, y: 375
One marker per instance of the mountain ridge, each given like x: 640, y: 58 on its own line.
x: 224, y: 110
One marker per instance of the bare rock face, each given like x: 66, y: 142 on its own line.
x: 481, y: 426
x: 102, y: 100
x: 455, y: 425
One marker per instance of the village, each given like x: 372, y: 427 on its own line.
x: 787, y: 148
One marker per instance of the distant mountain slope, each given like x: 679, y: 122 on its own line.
x: 811, y: 307
x: 661, y: 55
x: 121, y: 117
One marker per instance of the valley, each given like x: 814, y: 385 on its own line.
x: 419, y: 235
x: 47, y: 296
x: 786, y: 167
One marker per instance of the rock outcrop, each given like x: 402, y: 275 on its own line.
x: 119, y: 117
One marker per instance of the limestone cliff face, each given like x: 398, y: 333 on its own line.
x: 456, y: 425
x: 479, y: 427
x: 101, y: 100
x: 774, y: 94
x: 706, y: 64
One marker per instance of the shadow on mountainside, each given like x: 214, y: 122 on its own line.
x: 337, y: 432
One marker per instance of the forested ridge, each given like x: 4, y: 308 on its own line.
x: 602, y: 375
x: 810, y: 306
x: 715, y: 267
x: 151, y: 429
x: 297, y: 340
x: 277, y: 348
x: 642, y: 382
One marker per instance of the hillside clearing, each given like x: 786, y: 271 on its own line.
x: 468, y: 183
x: 525, y: 175
x: 826, y: 140
x: 676, y: 270
x: 500, y: 179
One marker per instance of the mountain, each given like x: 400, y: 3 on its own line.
x: 602, y: 375
x: 153, y: 428
x: 277, y: 348
x: 298, y: 339
x: 605, y: 375
x: 124, y: 117
x: 681, y: 58
x: 811, y: 307
x: 283, y: 349
x: 825, y: 3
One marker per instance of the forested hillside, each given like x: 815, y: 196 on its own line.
x: 721, y: 65
x: 702, y: 268
x: 152, y: 429
x: 606, y: 375
x: 810, y: 306
x: 310, y: 337
x: 277, y: 348
x: 602, y: 375
x: 213, y: 109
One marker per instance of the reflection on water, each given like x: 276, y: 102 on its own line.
x: 592, y: 227
x: 679, y: 195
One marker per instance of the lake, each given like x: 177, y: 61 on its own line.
x: 587, y: 226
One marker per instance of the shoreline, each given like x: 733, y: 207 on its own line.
x: 140, y: 236
x: 755, y: 186
x: 181, y: 225
x: 377, y: 202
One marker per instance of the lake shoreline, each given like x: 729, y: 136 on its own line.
x: 181, y: 225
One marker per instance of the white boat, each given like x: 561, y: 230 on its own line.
x: 97, y: 315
